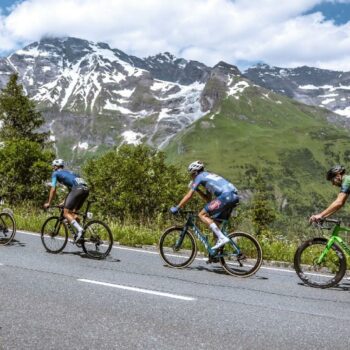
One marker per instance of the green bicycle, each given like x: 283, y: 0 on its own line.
x: 321, y: 262
x: 241, y: 256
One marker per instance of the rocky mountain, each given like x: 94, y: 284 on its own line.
x: 94, y: 97
x: 313, y: 86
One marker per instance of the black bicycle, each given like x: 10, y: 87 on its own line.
x: 7, y: 226
x: 97, y: 237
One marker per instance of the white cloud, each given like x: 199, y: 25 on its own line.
x: 273, y: 31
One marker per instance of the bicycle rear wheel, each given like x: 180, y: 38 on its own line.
x: 177, y: 249
x: 7, y: 228
x: 247, y: 260
x: 54, y: 235
x: 98, y: 239
x: 319, y: 275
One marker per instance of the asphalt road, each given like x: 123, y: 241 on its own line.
x: 132, y: 301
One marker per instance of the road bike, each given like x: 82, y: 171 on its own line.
x: 241, y: 256
x: 97, y: 239
x: 321, y: 262
x: 7, y: 226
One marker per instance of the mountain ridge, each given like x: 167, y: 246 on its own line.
x: 94, y: 97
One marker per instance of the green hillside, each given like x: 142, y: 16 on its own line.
x: 291, y: 143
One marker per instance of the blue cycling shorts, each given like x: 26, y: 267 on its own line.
x: 221, y: 207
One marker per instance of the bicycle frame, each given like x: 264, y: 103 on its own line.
x: 190, y: 224
x: 84, y: 215
x: 335, y: 238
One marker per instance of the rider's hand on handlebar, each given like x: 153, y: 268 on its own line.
x: 315, y: 218
x: 174, y: 210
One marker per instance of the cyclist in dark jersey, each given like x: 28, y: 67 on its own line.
x: 78, y: 192
x: 337, y: 176
x: 226, y: 198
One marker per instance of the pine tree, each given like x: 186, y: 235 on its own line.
x: 18, y: 117
x: 25, y: 156
x: 262, y: 210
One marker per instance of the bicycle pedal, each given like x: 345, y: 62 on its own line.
x: 213, y: 259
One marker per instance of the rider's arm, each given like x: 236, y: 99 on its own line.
x: 185, y: 199
x: 51, y: 195
x: 336, y: 205
x: 52, y: 190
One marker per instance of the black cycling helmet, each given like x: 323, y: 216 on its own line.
x: 334, y: 170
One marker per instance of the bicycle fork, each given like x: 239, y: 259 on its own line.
x: 325, y: 251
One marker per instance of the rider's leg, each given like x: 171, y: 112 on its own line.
x: 71, y: 217
x: 204, y: 217
x: 70, y: 206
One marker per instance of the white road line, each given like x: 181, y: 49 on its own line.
x: 1, y: 264
x: 139, y: 290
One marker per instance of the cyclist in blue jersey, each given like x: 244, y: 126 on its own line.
x: 218, y: 208
x: 337, y: 175
x: 78, y: 192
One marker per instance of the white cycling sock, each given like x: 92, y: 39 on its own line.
x: 216, y: 230
x: 77, y: 226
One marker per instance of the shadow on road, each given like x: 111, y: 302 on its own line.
x: 343, y: 287
x: 85, y: 256
x: 219, y: 270
x: 15, y: 243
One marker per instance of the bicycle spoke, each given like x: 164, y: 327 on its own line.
x: 54, y: 235
x: 318, y: 272
x: 242, y: 256
x: 7, y: 228
x: 177, y: 249
x: 98, y: 239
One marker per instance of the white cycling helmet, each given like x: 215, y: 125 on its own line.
x: 195, y: 167
x: 58, y: 162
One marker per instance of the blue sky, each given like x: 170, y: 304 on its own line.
x: 6, y: 3
x: 242, y: 32
x: 337, y: 12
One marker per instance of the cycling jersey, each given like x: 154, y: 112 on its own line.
x: 67, y: 178
x: 345, y: 185
x: 214, y: 184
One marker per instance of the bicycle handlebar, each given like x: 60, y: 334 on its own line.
x: 320, y: 223
x: 334, y: 221
x: 183, y: 213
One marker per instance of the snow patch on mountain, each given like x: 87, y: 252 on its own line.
x: 238, y: 88
x: 81, y: 146
x: 132, y: 137
x: 344, y: 112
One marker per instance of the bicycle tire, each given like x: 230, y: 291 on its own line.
x: 250, y: 260
x: 52, y: 238
x: 7, y: 228
x: 325, y: 276
x: 168, y: 251
x: 95, y: 233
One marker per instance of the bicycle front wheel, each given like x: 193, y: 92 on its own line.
x: 54, y: 235
x: 177, y: 248
x: 7, y: 228
x: 324, y: 274
x: 242, y: 256
x: 98, y: 239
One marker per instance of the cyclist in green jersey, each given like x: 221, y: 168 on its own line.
x: 338, y: 177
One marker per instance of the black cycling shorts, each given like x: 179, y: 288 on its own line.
x: 76, y: 197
